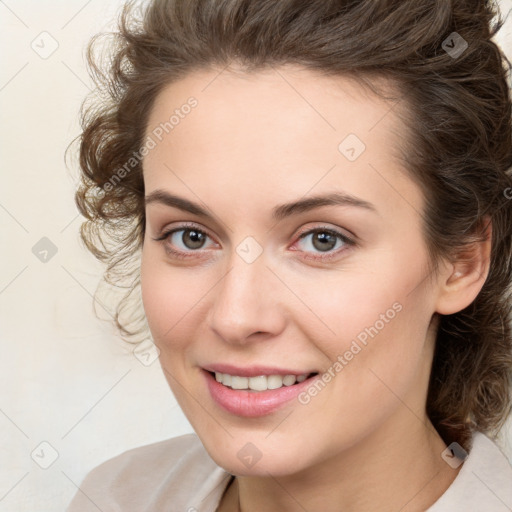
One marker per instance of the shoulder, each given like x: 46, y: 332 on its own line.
x: 173, y: 473
x: 484, y: 482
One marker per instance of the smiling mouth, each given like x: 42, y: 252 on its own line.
x: 260, y: 382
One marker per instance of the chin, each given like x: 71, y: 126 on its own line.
x: 242, y: 457
x: 276, y: 467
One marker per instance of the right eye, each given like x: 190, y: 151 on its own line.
x: 188, y: 236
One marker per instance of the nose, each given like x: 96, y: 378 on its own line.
x: 246, y: 303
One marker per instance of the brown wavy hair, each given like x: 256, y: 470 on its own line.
x: 459, y: 146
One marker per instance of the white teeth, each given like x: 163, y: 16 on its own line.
x: 289, y: 380
x: 239, y: 382
x: 274, y: 382
x: 259, y: 383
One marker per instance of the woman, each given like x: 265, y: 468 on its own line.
x: 315, y: 201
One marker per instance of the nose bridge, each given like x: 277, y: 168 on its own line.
x: 244, y: 303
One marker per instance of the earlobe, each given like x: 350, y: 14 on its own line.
x: 466, y: 275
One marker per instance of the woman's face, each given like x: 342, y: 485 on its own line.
x: 340, y: 290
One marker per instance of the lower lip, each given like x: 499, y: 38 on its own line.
x: 252, y: 404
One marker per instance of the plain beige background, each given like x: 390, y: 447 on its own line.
x: 73, y: 394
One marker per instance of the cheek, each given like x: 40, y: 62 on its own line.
x: 167, y: 295
x: 363, y: 307
x: 176, y: 301
x: 375, y: 325
x: 375, y: 361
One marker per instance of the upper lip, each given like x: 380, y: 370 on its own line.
x: 253, y: 371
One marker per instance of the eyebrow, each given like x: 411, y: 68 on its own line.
x: 278, y: 213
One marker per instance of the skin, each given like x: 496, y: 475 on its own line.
x: 253, y: 142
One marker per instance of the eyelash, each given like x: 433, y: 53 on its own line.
x: 349, y: 242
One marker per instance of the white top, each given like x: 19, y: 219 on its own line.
x: 178, y: 475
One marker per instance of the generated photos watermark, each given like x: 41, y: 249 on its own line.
x: 357, y: 345
x: 156, y: 136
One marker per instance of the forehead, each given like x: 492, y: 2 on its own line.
x: 297, y: 100
x: 282, y: 129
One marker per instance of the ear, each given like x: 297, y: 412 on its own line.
x: 464, y: 276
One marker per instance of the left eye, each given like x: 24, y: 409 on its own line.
x: 325, y: 240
